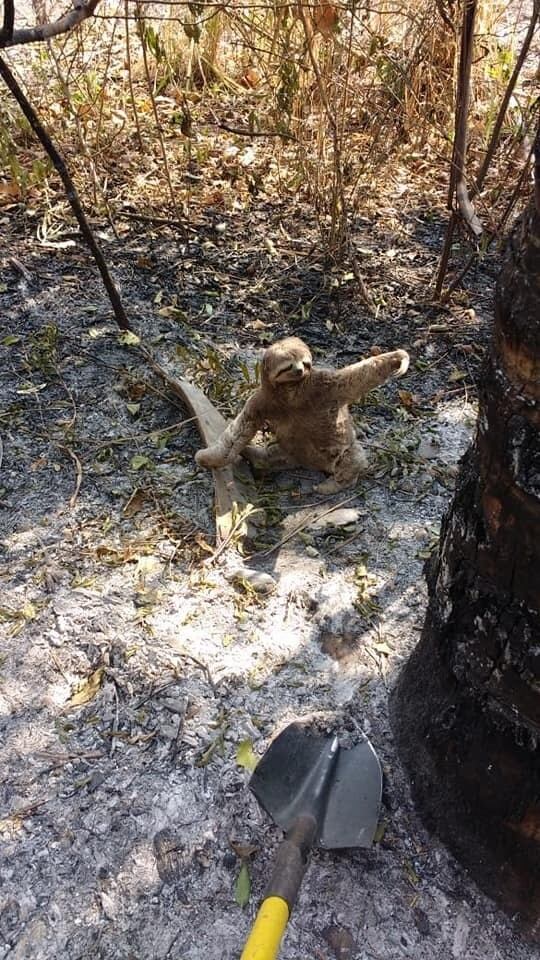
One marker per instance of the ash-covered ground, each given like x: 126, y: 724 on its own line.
x: 137, y: 675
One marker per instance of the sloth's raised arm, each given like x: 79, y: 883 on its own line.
x: 353, y: 382
x: 232, y: 441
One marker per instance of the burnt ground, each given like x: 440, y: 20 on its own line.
x: 133, y: 667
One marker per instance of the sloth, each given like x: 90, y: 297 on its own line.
x: 306, y: 408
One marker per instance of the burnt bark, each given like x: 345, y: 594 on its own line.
x: 466, y: 708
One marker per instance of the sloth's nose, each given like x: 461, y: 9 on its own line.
x: 299, y: 367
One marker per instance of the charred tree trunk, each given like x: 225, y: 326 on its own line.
x: 466, y: 709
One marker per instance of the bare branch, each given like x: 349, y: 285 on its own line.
x: 460, y: 143
x: 45, y: 31
x: 71, y: 192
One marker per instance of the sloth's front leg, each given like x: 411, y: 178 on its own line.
x: 353, y: 382
x: 229, y: 446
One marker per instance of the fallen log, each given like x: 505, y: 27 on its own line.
x: 234, y: 496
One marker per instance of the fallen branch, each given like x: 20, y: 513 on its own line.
x: 233, y: 503
x: 71, y: 192
x: 43, y: 31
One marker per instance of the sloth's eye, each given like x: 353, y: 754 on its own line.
x: 307, y: 364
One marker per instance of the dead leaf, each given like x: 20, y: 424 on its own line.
x: 251, y: 78
x: 135, y: 502
x: 325, y: 19
x: 203, y: 544
x: 340, y: 940
x: 243, y: 849
x: 9, y: 191
x: 139, y: 461
x: 406, y: 399
x: 136, y: 391
x: 88, y: 689
x: 215, y: 198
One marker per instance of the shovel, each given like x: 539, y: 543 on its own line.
x: 321, y: 795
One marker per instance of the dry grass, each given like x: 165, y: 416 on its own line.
x: 346, y: 94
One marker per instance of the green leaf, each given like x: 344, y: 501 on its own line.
x: 139, y: 460
x: 242, y: 887
x: 380, y: 831
x: 133, y: 407
x: 245, y: 757
x: 128, y: 338
x: 10, y: 340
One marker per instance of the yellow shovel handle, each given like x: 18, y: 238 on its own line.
x: 267, y: 931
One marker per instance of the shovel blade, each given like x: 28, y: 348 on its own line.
x: 284, y: 778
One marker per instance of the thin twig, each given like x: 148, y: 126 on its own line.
x: 202, y: 666
x: 160, y: 221
x: 444, y: 297
x: 78, y: 473
x: 115, y: 721
x: 242, y: 132
x: 137, y: 437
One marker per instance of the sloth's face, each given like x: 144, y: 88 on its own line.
x: 287, y: 361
